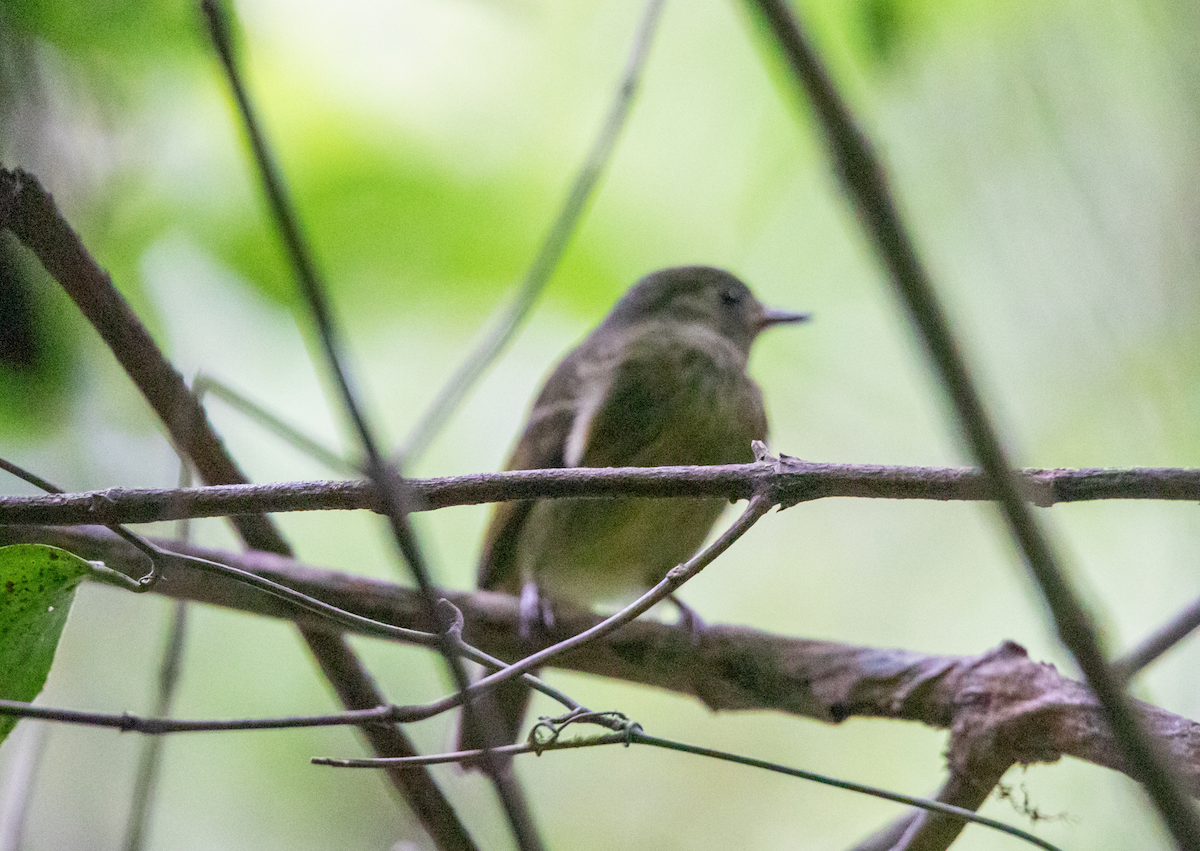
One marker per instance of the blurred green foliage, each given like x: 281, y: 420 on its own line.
x: 1045, y: 155
x: 134, y: 36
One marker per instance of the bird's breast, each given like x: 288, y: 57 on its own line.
x: 609, y: 551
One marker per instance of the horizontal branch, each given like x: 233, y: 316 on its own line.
x: 1032, y: 713
x: 789, y: 481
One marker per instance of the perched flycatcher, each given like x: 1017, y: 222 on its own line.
x: 661, y: 381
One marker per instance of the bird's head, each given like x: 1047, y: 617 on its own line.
x: 701, y: 295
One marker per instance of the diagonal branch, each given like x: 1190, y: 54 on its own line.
x: 29, y: 212
x: 864, y: 180
x: 509, y: 320
x: 390, y: 484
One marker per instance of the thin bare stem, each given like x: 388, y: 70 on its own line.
x: 147, y: 581
x: 340, y: 617
x: 161, y: 557
x: 635, y: 736
x: 864, y: 180
x: 161, y: 725
x: 205, y: 384
x: 146, y: 783
x: 145, y: 787
x: 1170, y: 634
x: 921, y: 803
x: 508, y: 320
x: 128, y: 723
x: 924, y: 830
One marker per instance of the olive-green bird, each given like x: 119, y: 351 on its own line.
x: 661, y: 381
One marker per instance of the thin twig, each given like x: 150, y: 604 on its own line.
x: 635, y: 736
x: 145, y: 786
x: 967, y: 787
x: 509, y: 319
x: 638, y: 737
x: 1163, y: 639
x: 147, y: 580
x: 159, y: 724
x: 206, y: 384
x: 161, y: 557
x: 390, y: 485
x: 865, y: 182
x: 332, y: 614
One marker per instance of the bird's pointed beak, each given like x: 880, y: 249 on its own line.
x: 771, y: 317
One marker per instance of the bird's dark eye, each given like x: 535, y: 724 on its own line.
x: 730, y: 297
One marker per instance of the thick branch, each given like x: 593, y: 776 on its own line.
x: 998, y: 706
x: 790, y: 481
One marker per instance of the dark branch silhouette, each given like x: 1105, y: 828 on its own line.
x: 865, y: 182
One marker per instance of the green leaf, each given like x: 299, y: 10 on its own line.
x: 37, y: 584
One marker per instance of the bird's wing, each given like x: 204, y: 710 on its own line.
x: 621, y: 423
x: 541, y: 446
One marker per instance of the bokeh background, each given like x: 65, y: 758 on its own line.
x: 1046, y: 155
